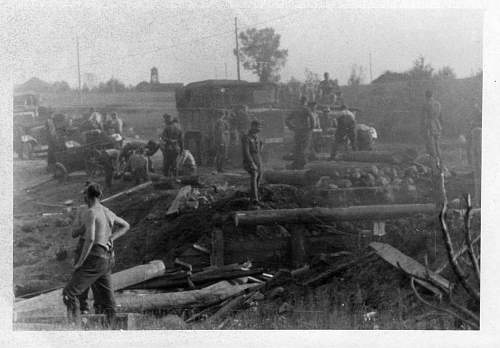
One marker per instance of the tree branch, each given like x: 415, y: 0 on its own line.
x: 445, y: 310
x: 468, y: 239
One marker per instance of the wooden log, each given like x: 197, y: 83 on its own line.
x: 329, y: 168
x: 203, y: 297
x: 297, y: 247
x: 226, y: 309
x: 181, y: 196
x: 166, y: 281
x: 217, y: 249
x: 172, y: 183
x: 408, y: 265
x: 288, y: 177
x: 127, y: 192
x: 315, y: 215
x: 377, y: 156
x: 51, y: 303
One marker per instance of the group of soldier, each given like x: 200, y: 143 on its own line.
x: 311, y: 124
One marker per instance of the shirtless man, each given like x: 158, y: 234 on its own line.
x: 93, y: 266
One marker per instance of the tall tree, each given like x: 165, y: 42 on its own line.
x: 446, y: 73
x: 261, y: 54
x: 421, y: 70
x: 357, y: 76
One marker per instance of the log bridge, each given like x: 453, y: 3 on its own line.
x: 297, y: 249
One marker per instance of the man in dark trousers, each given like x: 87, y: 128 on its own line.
x: 93, y: 266
x: 221, y: 141
x: 172, y: 143
x: 252, y: 162
x: 346, y: 131
x: 301, y: 122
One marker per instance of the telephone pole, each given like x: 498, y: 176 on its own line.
x: 78, y: 63
x: 237, y: 47
x: 371, y: 76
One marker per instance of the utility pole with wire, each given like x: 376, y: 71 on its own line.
x: 78, y: 63
x: 371, y: 76
x: 237, y: 47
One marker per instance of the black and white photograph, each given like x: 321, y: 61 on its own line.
x: 224, y: 166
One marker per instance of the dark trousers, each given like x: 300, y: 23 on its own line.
x: 169, y: 160
x: 341, y: 138
x: 302, y: 143
x: 95, y: 273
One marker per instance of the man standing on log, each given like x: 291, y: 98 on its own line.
x: 301, y: 122
x: 172, y: 143
x: 252, y: 163
x: 431, y: 124
x: 93, y: 267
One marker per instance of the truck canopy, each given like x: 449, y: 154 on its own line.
x: 226, y: 94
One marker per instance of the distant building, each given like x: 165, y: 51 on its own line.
x: 155, y: 86
x: 154, y: 76
x: 390, y: 76
x: 34, y: 85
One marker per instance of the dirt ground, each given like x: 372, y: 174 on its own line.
x: 43, y: 246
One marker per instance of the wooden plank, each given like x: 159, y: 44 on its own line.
x: 176, y: 204
x: 315, y: 215
x: 288, y: 177
x: 127, y: 192
x: 203, y: 297
x: 166, y: 281
x: 407, y: 264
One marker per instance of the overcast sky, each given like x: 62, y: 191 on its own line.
x: 187, y: 45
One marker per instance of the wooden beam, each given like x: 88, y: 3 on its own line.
x: 203, y: 297
x: 127, y: 192
x: 408, y: 265
x: 166, y: 281
x: 288, y: 177
x: 315, y: 215
x: 377, y: 156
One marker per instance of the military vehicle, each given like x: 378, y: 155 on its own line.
x: 29, y: 124
x: 200, y: 103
